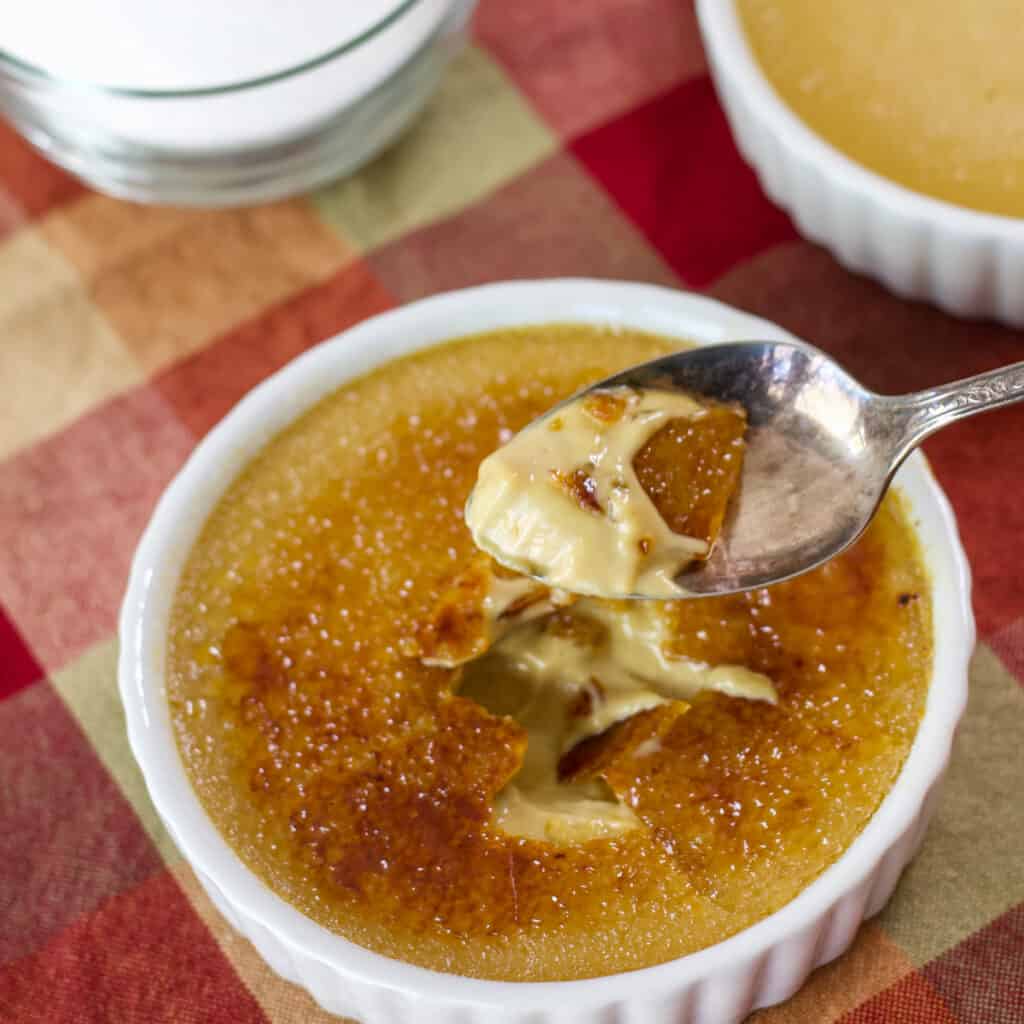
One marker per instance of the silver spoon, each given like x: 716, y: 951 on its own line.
x: 821, y: 450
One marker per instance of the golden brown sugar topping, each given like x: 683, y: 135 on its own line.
x: 476, y: 608
x: 924, y: 92
x: 691, y: 468
x: 361, y: 784
x: 597, y: 755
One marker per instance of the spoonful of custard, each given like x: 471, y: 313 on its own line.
x: 709, y: 471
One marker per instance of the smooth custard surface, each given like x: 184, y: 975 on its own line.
x: 350, y: 777
x: 929, y: 93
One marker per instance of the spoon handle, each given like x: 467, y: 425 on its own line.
x: 928, y: 411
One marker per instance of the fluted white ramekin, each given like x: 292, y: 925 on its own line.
x: 964, y: 261
x: 761, y: 965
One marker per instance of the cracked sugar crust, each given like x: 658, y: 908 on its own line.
x: 357, y: 783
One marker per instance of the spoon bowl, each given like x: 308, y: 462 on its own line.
x: 821, y: 450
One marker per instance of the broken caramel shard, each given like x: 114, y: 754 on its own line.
x: 691, y: 468
x: 605, y: 406
x: 591, y: 757
x: 580, y: 486
x: 478, y: 607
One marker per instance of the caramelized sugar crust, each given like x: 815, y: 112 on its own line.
x: 355, y: 781
x: 602, y: 755
x: 457, y: 630
x: 690, y: 469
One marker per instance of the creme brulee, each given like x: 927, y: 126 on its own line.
x: 928, y: 93
x: 384, y: 725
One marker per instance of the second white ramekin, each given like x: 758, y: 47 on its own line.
x: 719, y: 985
x: 966, y: 262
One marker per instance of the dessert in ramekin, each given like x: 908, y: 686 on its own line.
x: 327, y: 786
x: 957, y: 254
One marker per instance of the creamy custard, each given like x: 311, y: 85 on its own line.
x: 563, y: 500
x: 363, y: 785
x: 573, y: 676
x: 568, y: 671
x: 929, y: 93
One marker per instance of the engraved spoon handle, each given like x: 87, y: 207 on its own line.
x: 927, y: 411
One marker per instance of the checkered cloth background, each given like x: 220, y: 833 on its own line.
x: 568, y: 139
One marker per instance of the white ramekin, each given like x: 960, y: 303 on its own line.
x: 759, y: 966
x: 964, y: 261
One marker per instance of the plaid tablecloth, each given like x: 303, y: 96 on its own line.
x: 569, y: 139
